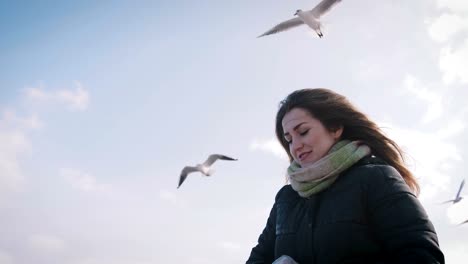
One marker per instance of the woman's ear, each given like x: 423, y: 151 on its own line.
x: 337, y: 132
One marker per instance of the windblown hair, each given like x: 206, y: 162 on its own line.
x: 334, y: 110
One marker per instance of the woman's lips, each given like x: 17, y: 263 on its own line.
x: 304, y: 155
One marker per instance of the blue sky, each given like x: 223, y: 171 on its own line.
x: 102, y: 104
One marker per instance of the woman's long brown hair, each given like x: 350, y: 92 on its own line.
x: 334, y: 110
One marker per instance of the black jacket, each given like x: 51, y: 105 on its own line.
x: 368, y: 216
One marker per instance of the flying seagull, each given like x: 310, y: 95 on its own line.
x: 204, y: 168
x: 310, y: 18
x: 458, y: 197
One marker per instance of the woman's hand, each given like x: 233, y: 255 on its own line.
x: 285, y: 260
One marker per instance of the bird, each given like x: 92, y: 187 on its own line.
x: 310, y: 18
x: 204, y: 168
x: 464, y: 222
x: 458, y: 198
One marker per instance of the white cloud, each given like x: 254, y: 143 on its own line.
x: 430, y: 157
x: 76, y: 99
x: 83, y: 181
x: 36, y: 93
x: 11, y: 120
x: 46, y: 243
x: 271, y: 146
x: 454, y: 5
x: 14, y: 134
x: 454, y: 64
x: 446, y: 26
x: 452, y: 128
x: 14, y: 144
x: 431, y: 98
x: 5, y: 258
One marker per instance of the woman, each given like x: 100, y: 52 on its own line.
x: 351, y: 197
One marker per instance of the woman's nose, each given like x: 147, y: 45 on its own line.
x: 297, y: 144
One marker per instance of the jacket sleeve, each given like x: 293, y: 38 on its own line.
x: 264, y: 251
x: 399, y: 221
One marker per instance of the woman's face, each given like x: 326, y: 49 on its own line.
x: 309, y: 140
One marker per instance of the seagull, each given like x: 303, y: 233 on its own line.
x: 464, y: 222
x: 311, y: 18
x: 458, y: 197
x: 204, y: 168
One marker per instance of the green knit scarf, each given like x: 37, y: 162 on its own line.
x: 319, y: 175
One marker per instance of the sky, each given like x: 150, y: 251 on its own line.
x: 102, y: 103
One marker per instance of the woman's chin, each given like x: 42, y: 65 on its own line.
x: 306, y: 163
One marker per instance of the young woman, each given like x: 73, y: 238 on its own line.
x: 351, y: 198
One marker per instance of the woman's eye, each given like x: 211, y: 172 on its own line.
x: 304, y: 133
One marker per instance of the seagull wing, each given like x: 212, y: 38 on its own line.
x: 185, y: 171
x: 464, y: 222
x: 459, y: 189
x: 449, y: 201
x: 294, y: 22
x: 323, y: 7
x: 213, y: 157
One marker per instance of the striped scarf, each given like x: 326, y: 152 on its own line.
x: 319, y: 175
